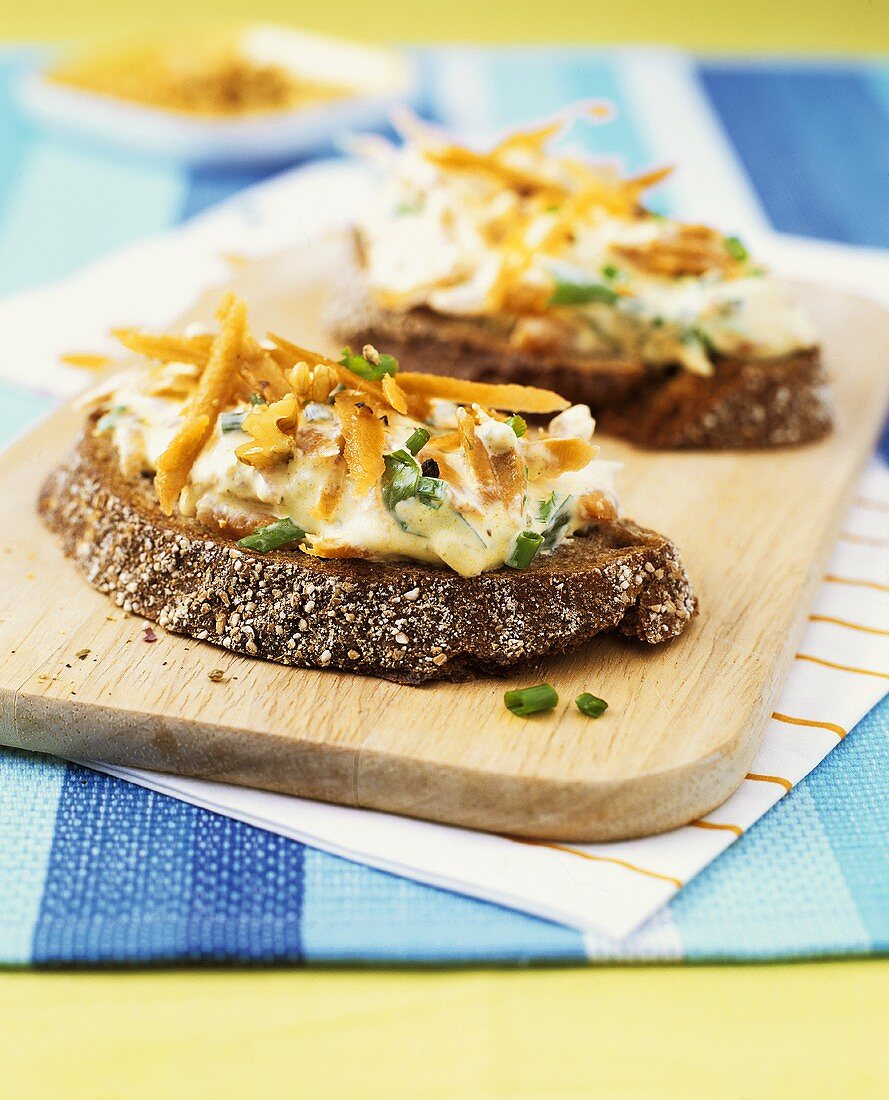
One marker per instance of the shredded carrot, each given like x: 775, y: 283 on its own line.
x: 332, y: 491
x: 514, y: 398
x: 169, y: 349
x: 86, y: 361
x: 174, y: 465
x: 363, y: 440
x: 477, y: 457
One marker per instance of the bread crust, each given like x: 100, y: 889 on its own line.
x: 403, y: 621
x: 744, y: 404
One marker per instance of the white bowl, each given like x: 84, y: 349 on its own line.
x: 379, y: 79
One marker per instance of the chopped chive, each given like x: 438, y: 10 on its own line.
x: 531, y: 700
x: 232, y: 421
x: 400, y: 478
x: 524, y: 550
x: 546, y: 507
x: 431, y: 491
x: 591, y: 705
x: 579, y: 294
x: 417, y: 440
x: 609, y: 271
x: 273, y: 536
x: 735, y: 248
x: 371, y: 372
x: 518, y: 425
x: 408, y: 207
x: 553, y: 208
x: 257, y: 399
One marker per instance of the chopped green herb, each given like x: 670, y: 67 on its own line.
x: 591, y: 705
x: 558, y: 523
x: 546, y: 507
x: 524, y: 550
x: 408, y: 208
x: 431, y: 491
x: 274, y: 536
x: 695, y: 335
x: 609, y: 271
x: 518, y: 425
x: 257, y: 399
x: 232, y: 421
x: 531, y: 700
x: 417, y: 440
x: 371, y: 372
x: 553, y: 208
x: 579, y: 294
x: 658, y: 322
x: 735, y: 248
x: 400, y: 479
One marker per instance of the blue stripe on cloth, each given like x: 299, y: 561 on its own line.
x: 135, y: 876
x: 29, y: 794
x: 352, y: 912
x: 849, y: 793
x: 13, y: 133
x: 70, y: 205
x: 815, y: 143
x: 206, y: 187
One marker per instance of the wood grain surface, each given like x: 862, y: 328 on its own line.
x: 78, y: 679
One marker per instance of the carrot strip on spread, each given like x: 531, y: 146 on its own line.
x: 169, y: 349
x: 477, y: 457
x: 174, y: 465
x: 363, y: 440
x: 514, y: 398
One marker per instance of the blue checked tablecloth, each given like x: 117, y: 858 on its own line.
x: 93, y: 869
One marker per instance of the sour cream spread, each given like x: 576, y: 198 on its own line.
x: 491, y: 489
x: 561, y: 255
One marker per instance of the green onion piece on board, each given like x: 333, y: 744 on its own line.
x: 591, y: 705
x: 417, y: 440
x: 735, y: 248
x: 580, y: 294
x: 518, y: 425
x: 524, y: 550
x: 274, y: 536
x: 257, y: 399
x: 531, y: 700
x: 372, y: 372
x: 431, y: 491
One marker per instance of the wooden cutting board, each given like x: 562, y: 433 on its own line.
x: 684, y: 721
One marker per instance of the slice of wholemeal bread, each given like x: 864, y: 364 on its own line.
x: 402, y: 621
x: 745, y: 403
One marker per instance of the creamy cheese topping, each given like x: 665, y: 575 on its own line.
x: 496, y: 490
x: 496, y: 235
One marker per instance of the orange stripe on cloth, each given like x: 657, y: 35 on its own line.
x: 841, y: 668
x: 791, y: 721
x: 832, y: 578
x: 846, y: 623
x: 863, y: 540
x: 779, y: 779
x: 598, y: 859
x: 725, y: 827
